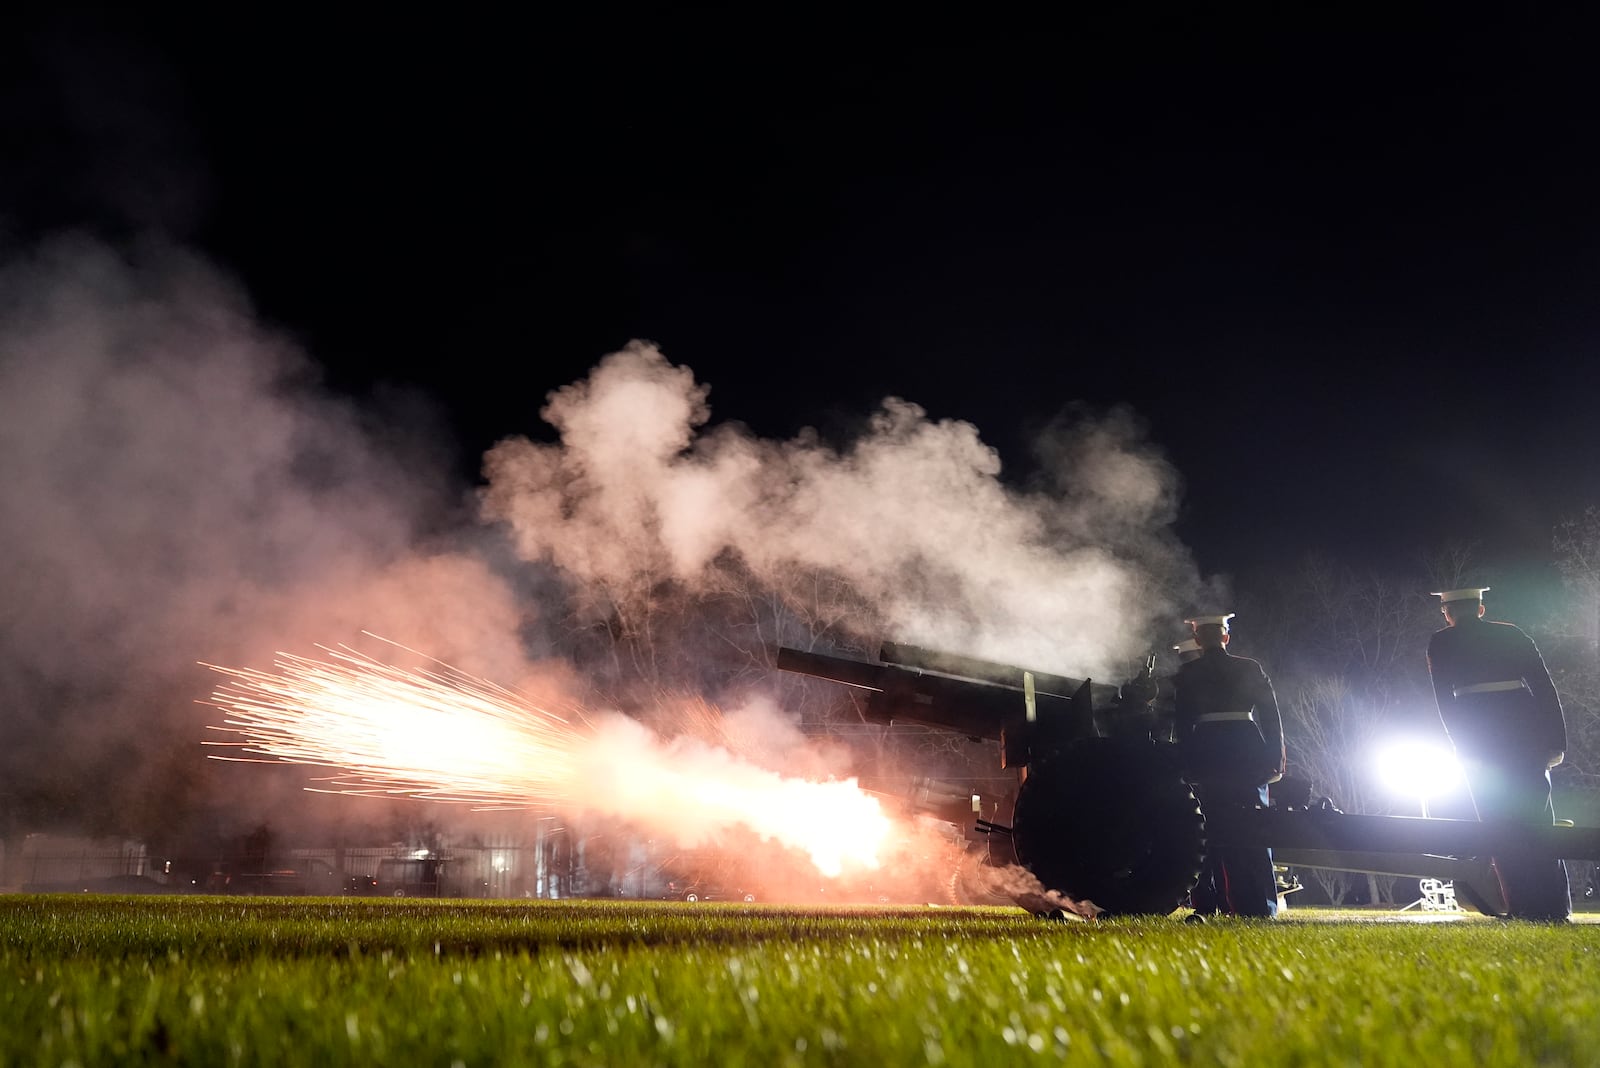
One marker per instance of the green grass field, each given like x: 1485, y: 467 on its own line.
x: 214, y: 981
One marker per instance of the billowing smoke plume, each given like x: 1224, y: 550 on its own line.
x: 912, y: 516
x: 177, y: 486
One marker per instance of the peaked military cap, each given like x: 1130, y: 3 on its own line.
x: 1465, y: 593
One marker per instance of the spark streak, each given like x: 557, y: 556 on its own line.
x: 439, y: 734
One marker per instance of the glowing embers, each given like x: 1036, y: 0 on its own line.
x: 439, y: 734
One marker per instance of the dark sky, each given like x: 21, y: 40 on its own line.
x: 1346, y: 272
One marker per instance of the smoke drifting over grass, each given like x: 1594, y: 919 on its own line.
x: 913, y: 515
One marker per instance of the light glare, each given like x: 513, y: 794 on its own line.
x: 1418, y: 769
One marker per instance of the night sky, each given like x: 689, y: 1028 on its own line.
x: 1345, y: 273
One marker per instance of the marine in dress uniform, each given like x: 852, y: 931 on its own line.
x: 1231, y: 739
x: 1504, y: 718
x: 1166, y: 702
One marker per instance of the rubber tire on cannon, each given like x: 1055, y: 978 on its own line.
x: 1112, y: 823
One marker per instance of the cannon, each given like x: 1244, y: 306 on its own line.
x: 1102, y: 812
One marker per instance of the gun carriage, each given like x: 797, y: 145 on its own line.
x: 1102, y: 812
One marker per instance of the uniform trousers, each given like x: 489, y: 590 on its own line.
x: 1534, y: 889
x: 1235, y: 882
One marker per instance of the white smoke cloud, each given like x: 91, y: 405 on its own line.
x: 1012, y: 882
x: 914, y: 514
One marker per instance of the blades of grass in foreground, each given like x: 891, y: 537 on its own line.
x: 217, y: 981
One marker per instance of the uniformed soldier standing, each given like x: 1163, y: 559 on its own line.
x: 1504, y: 718
x: 1166, y: 702
x: 1231, y: 739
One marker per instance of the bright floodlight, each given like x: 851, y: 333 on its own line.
x: 1419, y: 769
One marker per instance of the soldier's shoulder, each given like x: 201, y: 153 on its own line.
x: 1246, y: 665
x: 1508, y: 633
x: 1201, y: 671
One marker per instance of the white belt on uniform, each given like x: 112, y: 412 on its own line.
x: 1491, y: 687
x: 1225, y: 717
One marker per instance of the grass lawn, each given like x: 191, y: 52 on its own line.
x: 215, y: 981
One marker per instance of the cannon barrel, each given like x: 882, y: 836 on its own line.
x: 973, y: 669
x: 982, y: 705
x: 860, y: 673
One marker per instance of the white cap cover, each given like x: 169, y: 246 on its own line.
x: 1466, y: 593
x: 1200, y: 621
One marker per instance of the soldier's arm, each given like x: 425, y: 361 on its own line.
x: 1442, y: 693
x: 1166, y: 708
x: 1552, y: 721
x: 1271, y: 723
x: 1183, y: 713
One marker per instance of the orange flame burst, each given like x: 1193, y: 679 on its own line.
x: 696, y: 785
x: 439, y: 734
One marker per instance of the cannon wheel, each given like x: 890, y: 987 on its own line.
x: 1106, y: 822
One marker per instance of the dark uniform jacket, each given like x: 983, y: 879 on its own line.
x: 1495, y: 695
x: 1227, y: 719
